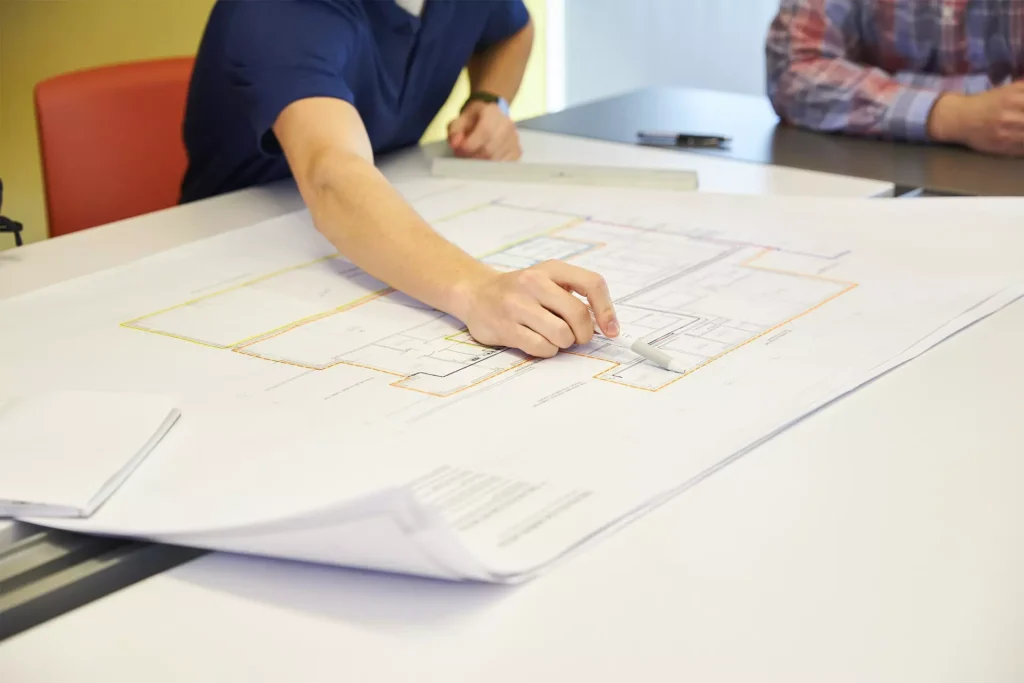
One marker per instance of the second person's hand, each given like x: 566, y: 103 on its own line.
x: 990, y: 122
x: 483, y: 131
x: 534, y: 309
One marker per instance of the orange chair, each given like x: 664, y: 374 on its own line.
x: 111, y: 141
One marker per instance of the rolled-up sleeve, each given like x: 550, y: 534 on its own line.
x: 506, y: 18
x: 282, y: 51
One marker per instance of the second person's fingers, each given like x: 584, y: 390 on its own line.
x: 457, y: 130
x: 510, y: 149
x: 477, y: 136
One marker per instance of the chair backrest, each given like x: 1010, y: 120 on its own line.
x: 111, y: 141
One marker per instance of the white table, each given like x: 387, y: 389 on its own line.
x: 880, y: 540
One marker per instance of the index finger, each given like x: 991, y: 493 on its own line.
x: 593, y: 287
x: 458, y: 125
x: 476, y: 138
x: 483, y: 130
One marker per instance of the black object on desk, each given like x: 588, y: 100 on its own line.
x: 6, y: 224
x: 665, y: 139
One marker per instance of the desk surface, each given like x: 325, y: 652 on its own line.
x: 758, y: 137
x: 879, y: 540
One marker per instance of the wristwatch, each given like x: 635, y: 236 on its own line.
x: 484, y: 96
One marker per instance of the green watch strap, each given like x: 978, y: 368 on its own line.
x: 488, y: 97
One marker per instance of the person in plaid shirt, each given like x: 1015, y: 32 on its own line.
x: 921, y: 70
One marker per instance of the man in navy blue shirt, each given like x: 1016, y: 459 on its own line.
x: 314, y: 88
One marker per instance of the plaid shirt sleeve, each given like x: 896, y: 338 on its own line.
x: 815, y: 80
x: 968, y: 85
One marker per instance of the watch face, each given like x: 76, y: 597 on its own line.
x: 503, y: 105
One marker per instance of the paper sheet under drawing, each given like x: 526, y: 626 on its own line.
x: 328, y: 418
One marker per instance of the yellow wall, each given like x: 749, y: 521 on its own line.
x: 531, y: 98
x: 45, y: 38
x: 42, y: 39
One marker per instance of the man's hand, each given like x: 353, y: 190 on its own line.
x: 534, y: 310
x: 991, y: 122
x: 368, y: 221
x: 482, y: 131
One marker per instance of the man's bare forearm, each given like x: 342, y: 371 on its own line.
x: 500, y: 68
x: 355, y: 207
x: 368, y: 221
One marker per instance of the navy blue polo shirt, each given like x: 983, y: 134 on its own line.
x: 259, y: 56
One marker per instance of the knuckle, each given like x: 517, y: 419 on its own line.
x: 486, y: 335
x: 529, y: 277
x: 579, y: 310
x: 565, y: 336
x: 517, y: 307
x: 547, y: 351
x: 533, y: 347
x: 585, y: 330
x: 511, y: 305
x: 582, y: 319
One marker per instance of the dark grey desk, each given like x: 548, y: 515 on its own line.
x: 757, y: 136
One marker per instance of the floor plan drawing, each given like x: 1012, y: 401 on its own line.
x: 328, y: 418
x: 680, y: 289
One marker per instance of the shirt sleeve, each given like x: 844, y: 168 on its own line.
x: 815, y: 80
x: 970, y: 84
x: 282, y: 51
x: 505, y: 18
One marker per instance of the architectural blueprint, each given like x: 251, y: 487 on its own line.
x: 329, y: 418
x: 698, y: 296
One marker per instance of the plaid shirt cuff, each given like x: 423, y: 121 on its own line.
x: 909, y: 112
x: 978, y: 83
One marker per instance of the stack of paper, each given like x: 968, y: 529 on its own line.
x: 62, y: 454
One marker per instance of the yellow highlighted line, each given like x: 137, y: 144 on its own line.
x: 813, y: 276
x: 233, y: 288
x: 277, y: 331
x: 546, y: 233
x: 173, y: 336
x: 248, y: 341
x: 268, y: 333
x: 460, y: 212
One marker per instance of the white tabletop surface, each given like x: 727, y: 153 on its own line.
x: 880, y: 540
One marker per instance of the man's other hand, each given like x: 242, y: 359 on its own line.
x: 483, y: 131
x: 991, y: 122
x: 534, y: 309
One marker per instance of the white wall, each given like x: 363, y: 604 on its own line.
x: 612, y: 46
